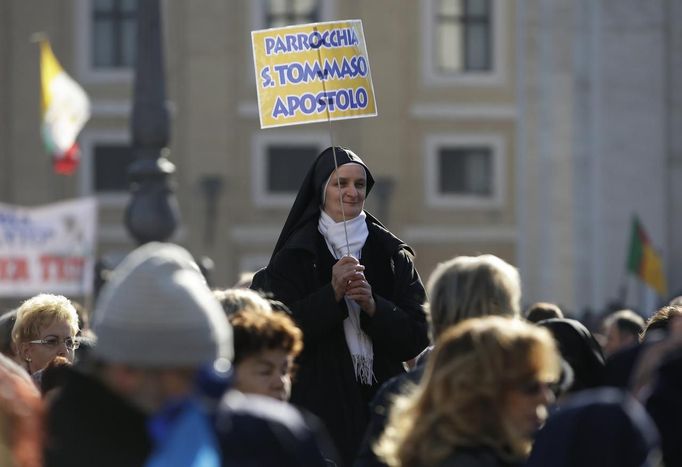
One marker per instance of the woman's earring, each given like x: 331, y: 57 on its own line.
x: 28, y: 359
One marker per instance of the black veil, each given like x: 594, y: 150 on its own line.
x: 309, y: 197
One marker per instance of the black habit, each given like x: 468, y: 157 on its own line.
x: 299, y: 274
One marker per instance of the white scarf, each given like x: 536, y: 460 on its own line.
x: 359, y: 344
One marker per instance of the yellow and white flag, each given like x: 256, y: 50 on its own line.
x: 65, y: 110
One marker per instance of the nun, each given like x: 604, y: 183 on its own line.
x: 353, y: 289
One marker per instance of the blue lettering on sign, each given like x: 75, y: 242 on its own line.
x: 315, y: 40
x: 267, y: 79
x: 269, y: 45
x: 18, y: 230
x: 280, y: 109
x: 342, y: 102
x: 341, y: 99
x: 298, y: 73
x: 302, y: 42
x: 308, y: 103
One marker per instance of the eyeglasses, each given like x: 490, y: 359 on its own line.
x: 54, y: 341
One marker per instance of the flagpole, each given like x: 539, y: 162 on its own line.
x: 38, y: 37
x: 323, y: 78
x: 623, y: 290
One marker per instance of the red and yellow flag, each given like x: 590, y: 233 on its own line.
x: 644, y: 261
x: 65, y: 110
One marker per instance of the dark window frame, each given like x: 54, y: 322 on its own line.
x: 115, y: 16
x: 313, y: 149
x: 101, y: 185
x: 290, y: 16
x: 466, y: 150
x: 465, y: 21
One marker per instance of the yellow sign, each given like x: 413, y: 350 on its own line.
x: 312, y: 73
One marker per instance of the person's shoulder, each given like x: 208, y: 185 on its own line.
x: 378, y: 229
x: 398, y: 385
x: 423, y: 357
x: 392, y: 244
x: 304, y: 238
x: 246, y: 423
x: 258, y: 409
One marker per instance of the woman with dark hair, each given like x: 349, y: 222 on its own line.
x: 353, y: 289
x: 580, y: 350
x: 602, y: 427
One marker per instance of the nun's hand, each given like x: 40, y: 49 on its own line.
x: 343, y: 272
x: 360, y: 291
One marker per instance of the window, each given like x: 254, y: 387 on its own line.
x: 266, y: 14
x: 105, y: 40
x: 287, y: 12
x: 105, y: 157
x: 281, y: 160
x: 464, y: 171
x: 113, y: 33
x: 111, y: 162
x: 463, y: 36
x: 275, y: 13
x: 287, y: 165
x: 464, y: 41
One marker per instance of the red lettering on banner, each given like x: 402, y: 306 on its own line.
x: 13, y: 269
x: 62, y: 268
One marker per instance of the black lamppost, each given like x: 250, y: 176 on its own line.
x: 153, y: 213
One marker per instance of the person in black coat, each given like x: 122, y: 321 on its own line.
x: 580, y: 350
x: 352, y: 288
x: 602, y: 427
x: 89, y: 424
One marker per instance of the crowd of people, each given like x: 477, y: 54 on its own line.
x: 337, y: 355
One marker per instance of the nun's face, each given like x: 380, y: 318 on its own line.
x: 353, y: 181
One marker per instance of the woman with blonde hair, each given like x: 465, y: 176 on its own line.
x: 46, y: 327
x: 484, y: 394
x: 470, y: 287
x: 460, y: 288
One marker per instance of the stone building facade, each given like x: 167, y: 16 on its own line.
x: 530, y: 129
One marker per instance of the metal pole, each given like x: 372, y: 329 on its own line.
x: 152, y: 213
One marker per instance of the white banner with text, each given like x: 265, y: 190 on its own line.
x: 48, y: 249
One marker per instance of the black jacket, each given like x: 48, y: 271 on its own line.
x: 257, y: 431
x: 475, y: 457
x: 299, y: 275
x: 603, y: 427
x: 380, y: 408
x: 89, y: 425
